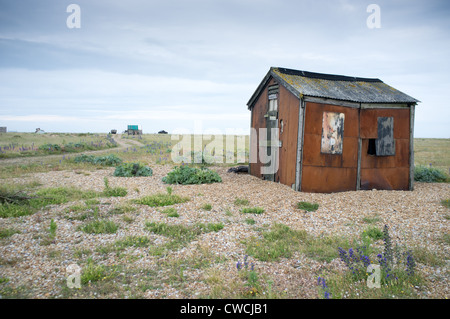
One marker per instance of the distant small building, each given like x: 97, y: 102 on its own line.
x: 134, y: 130
x: 162, y: 132
x: 330, y: 133
x: 113, y: 131
x: 3, y: 129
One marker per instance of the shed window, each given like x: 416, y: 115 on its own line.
x: 385, y: 143
x: 371, y: 150
x: 332, y: 132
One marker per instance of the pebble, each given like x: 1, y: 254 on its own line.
x: 416, y: 218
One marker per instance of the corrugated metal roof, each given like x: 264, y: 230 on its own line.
x: 339, y: 87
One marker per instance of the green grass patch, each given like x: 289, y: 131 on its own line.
x: 252, y: 210
x: 8, y: 232
x: 122, y: 209
x: 179, y: 235
x: 250, y: 221
x: 171, y: 212
x: 309, y: 207
x: 92, y: 273
x: 371, y: 219
x: 279, y: 242
x: 207, y: 207
x: 445, y: 203
x: 99, y: 227
x: 241, y: 202
x: 373, y: 232
x: 160, y: 199
x: 29, y: 144
x: 113, y: 191
x: 26, y: 203
x: 124, y: 243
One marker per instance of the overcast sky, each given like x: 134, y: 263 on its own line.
x: 194, y: 64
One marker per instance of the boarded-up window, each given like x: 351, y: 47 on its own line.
x: 332, y: 132
x: 385, y: 143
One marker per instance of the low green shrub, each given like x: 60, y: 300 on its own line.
x: 191, y: 175
x: 50, y: 147
x: 133, y: 170
x: 107, y: 160
x: 309, y: 207
x: 373, y: 232
x: 429, y: 174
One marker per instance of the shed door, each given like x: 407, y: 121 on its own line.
x: 272, y: 143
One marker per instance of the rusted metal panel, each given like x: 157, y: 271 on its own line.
x: 369, y: 122
x: 395, y: 178
x: 320, y: 171
x: 328, y: 179
x: 314, y: 118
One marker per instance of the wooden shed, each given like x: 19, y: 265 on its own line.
x: 330, y: 133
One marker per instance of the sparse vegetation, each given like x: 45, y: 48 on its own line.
x: 106, y: 160
x: 241, y: 202
x: 252, y: 210
x: 122, y: 258
x: 161, y: 199
x: 191, y: 175
x: 133, y: 170
x: 99, y: 226
x: 7, y: 232
x: 309, y: 207
x: 113, y: 191
x: 171, y: 212
x: 206, y: 206
x: 429, y: 174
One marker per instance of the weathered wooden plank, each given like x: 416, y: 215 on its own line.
x: 411, y: 147
x: 322, y: 100
x: 300, y: 136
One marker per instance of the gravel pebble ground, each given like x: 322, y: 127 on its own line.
x: 416, y: 218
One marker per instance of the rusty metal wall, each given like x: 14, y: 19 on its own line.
x: 329, y: 172
x: 334, y: 172
x: 385, y: 172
